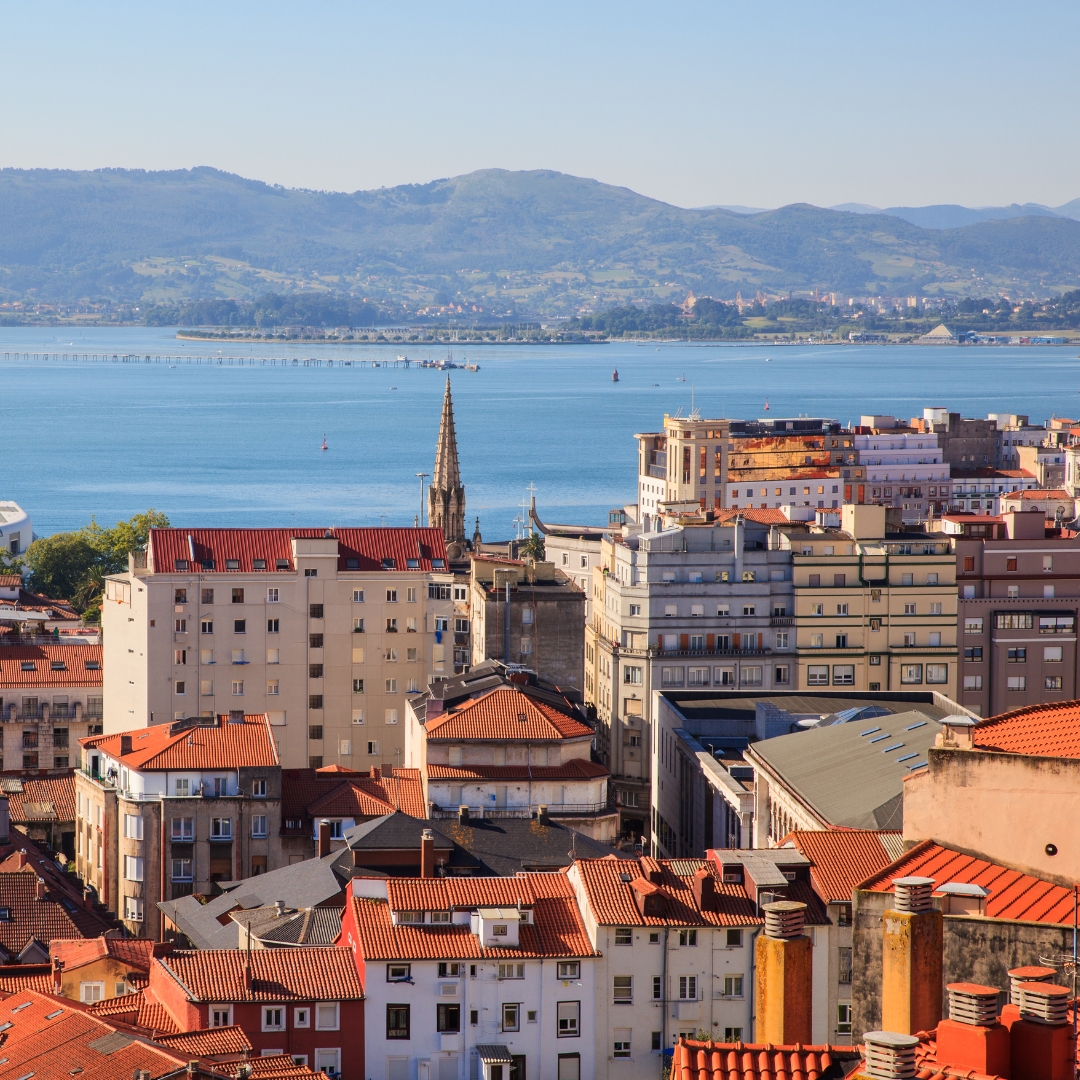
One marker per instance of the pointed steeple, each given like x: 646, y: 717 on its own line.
x: 446, y: 495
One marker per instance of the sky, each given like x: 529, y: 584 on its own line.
x: 694, y: 103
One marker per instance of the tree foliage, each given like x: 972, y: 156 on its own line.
x: 533, y: 547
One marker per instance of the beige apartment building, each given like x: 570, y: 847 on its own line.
x: 874, y: 609
x: 327, y: 632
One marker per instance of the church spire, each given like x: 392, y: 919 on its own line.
x: 446, y: 495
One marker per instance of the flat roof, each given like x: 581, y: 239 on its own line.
x: 736, y: 705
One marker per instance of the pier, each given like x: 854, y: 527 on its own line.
x: 188, y: 359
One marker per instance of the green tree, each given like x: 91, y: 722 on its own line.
x: 533, y: 547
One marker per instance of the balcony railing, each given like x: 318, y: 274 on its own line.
x: 489, y: 810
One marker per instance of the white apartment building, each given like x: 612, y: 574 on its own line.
x: 16, y: 528
x: 675, y: 955
x: 905, y: 469
x: 325, y: 631
x: 473, y: 979
x: 1015, y: 431
x: 692, y: 605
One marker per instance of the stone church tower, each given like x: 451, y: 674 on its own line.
x: 446, y: 495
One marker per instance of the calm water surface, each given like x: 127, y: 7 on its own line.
x: 217, y: 445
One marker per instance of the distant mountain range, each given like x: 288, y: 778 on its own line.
x: 495, y: 244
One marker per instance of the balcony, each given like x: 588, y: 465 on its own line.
x: 489, y: 810
x: 782, y: 620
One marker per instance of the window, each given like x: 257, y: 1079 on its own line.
x: 179, y: 657
x: 90, y: 992
x: 632, y: 676
x: 621, y: 1045
x: 817, y: 641
x: 181, y: 688
x: 221, y: 828
x: 181, y: 870
x: 688, y: 988
x: 1016, y: 682
x: 733, y: 986
x: 258, y: 825
x: 301, y: 1018
x: 972, y: 682
x: 511, y: 971
x: 568, y: 1015
x: 973, y: 654
x: 447, y: 1017
x: 183, y: 828
x: 273, y: 626
x: 238, y: 687
x: 937, y: 673
x: 570, y: 969
x: 391, y: 686
x: 397, y: 1021
x: 326, y: 1016
x: 909, y: 639
x: 273, y: 1018
x: 815, y: 580
x: 511, y: 1016
x: 133, y: 828
x: 909, y: 609
x: 133, y: 909
x: 624, y: 935
x: 220, y: 1016
x: 1017, y: 656
x: 622, y: 989
x: 358, y: 686
x: 1052, y: 682
x: 1013, y: 621
x: 315, y: 701
x: 845, y: 966
x: 373, y: 747
x: 817, y: 675
x: 672, y: 676
x: 734, y: 939
x: 238, y: 596
x: 569, y: 1067
x: 841, y: 641
x: 843, y: 914
x: 391, y: 596
x: 399, y: 973
x: 687, y: 938
x: 133, y: 868
x: 843, y: 674
x: 239, y: 626
x: 207, y: 626
x: 315, y: 732
x: 911, y: 673
x: 935, y: 609
x: 449, y: 970
x: 973, y: 626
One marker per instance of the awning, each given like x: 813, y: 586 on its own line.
x: 494, y: 1054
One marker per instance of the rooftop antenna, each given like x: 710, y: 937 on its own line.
x: 694, y: 414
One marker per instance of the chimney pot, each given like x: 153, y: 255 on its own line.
x: 784, y: 919
x: 1025, y: 975
x: 913, y: 894
x: 1044, y: 1003
x: 542, y: 814
x: 324, y: 839
x: 279, y: 908
x: 970, y: 1003
x: 463, y: 815
x: 890, y: 1055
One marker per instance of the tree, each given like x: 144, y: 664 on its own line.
x: 533, y: 547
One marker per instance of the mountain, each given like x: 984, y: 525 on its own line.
x: 502, y: 242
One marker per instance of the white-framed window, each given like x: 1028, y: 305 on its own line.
x: 273, y: 596
x: 391, y: 688
x: 733, y: 986
x: 972, y: 682
x: 133, y: 868
x: 90, y: 992
x: 258, y: 789
x: 688, y: 988
x: 569, y: 969
x: 358, y: 716
x: 238, y: 687
x: 568, y: 1015
x: 622, y: 989
x: 133, y: 909
x: 621, y: 1043
x: 258, y: 825
x: 327, y: 1016
x: 220, y: 1016
x: 183, y: 828
x: 273, y: 687
x: 358, y: 596
x: 328, y: 1060
x: 1016, y: 682
x: 133, y: 824
x: 273, y: 1018
x: 511, y: 1016
x: 181, y: 688
x: 221, y: 828
x: 302, y: 1017
x: 391, y: 715
x: 181, y: 870
x: 373, y: 747
x: 511, y: 971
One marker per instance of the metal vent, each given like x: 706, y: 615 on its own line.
x: 970, y: 1003
x: 784, y: 919
x: 1027, y: 974
x: 890, y: 1055
x: 914, y: 894
x: 1044, y: 1003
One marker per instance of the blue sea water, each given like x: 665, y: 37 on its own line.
x: 217, y: 445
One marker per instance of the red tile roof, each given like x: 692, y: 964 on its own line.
x: 840, y: 860
x: 306, y: 974
x: 138, y: 1010
x: 212, y: 1043
x: 14, y: 659
x: 505, y: 714
x: 1030, y: 494
x: 575, y: 769
x: 556, y: 930
x: 39, y: 798
x: 27, y: 977
x: 694, y: 1060
x: 308, y: 792
x: 1037, y: 730
x: 10, y: 581
x: 761, y: 515
x: 57, y: 610
x: 247, y: 745
x: 75, y: 952
x: 279, y: 1067
x: 1014, y: 896
x: 369, y: 547
x: 612, y: 899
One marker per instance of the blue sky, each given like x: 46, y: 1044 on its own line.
x: 694, y: 103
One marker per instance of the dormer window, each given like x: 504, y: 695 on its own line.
x: 438, y: 564
x: 498, y: 930
x: 232, y: 564
x: 258, y: 564
x: 412, y: 564
x: 281, y: 564
x: 181, y: 564
x: 58, y: 665
x: 29, y: 665
x: 440, y: 916
x: 410, y: 917
x: 388, y: 564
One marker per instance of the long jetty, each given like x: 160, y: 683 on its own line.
x: 225, y: 361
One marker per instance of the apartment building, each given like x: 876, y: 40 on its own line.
x: 905, y: 470
x: 978, y: 491
x: 528, y: 613
x: 874, y: 609
x: 50, y: 697
x: 965, y: 443
x: 1014, y: 431
x: 691, y: 603
x: 474, y: 979
x: 1019, y: 599
x: 675, y: 955
x: 326, y: 631
x: 168, y: 811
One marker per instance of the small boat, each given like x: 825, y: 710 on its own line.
x: 325, y: 445
x: 393, y: 387
x: 615, y: 375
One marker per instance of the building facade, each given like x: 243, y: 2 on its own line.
x: 905, y: 470
x: 326, y: 631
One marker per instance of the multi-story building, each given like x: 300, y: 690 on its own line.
x: 1019, y: 599
x: 167, y: 811
x: 980, y: 490
x: 528, y: 613
x: 474, y: 979
x: 904, y: 469
x: 692, y: 603
x: 50, y: 697
x: 16, y: 528
x: 575, y: 549
x: 326, y: 631
x: 1045, y: 463
x: 874, y: 609
x: 1014, y: 431
x: 965, y: 443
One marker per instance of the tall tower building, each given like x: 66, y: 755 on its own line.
x: 446, y: 495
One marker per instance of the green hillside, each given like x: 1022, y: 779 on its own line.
x: 519, y: 243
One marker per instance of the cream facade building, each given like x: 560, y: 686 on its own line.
x: 874, y: 610
x: 325, y: 631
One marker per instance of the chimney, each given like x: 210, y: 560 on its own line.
x: 649, y: 897
x: 58, y: 970
x: 248, y: 980
x: 890, y: 1055
x: 324, y: 838
x: 911, y: 963
x: 374, y: 772
x: 5, y: 820
x: 1042, y: 1042
x: 463, y: 815
x: 542, y: 814
x: 784, y: 991
x: 125, y: 745
x: 972, y: 1038
x: 279, y: 908
x: 39, y: 889
x: 427, y: 853
x: 704, y: 896
x: 88, y: 898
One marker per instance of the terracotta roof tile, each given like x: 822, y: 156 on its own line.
x: 279, y: 1067
x: 575, y: 769
x: 211, y: 1043
x: 277, y: 974
x: 57, y: 610
x: 694, y: 1060
x: 246, y: 745
x: 761, y: 515
x: 1037, y: 730
x: 39, y: 798
x: 840, y: 859
x: 1014, y: 896
x: 59, y: 915
x: 368, y: 547
x: 138, y: 1010
x: 362, y: 796
x: 44, y: 675
x: 27, y: 977
x: 506, y: 714
x: 75, y: 952
x: 612, y: 899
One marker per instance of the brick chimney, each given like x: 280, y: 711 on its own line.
x: 972, y: 1037
x: 88, y: 898
x: 463, y: 815
x: 125, y: 745
x: 542, y: 814
x: 784, y: 991
x: 911, y: 961
x: 324, y: 838
x: 427, y: 853
x: 704, y: 895
x: 648, y: 897
x: 1042, y: 1043
x: 375, y: 772
x: 39, y: 889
